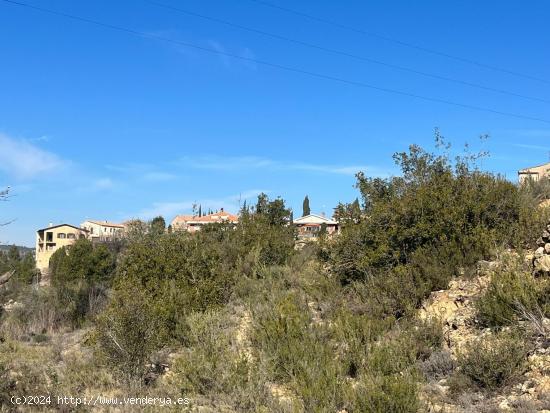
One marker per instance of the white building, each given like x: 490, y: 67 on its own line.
x: 536, y: 173
x: 310, y: 225
x: 103, y: 230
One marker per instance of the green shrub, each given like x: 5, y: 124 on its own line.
x: 128, y: 332
x: 378, y: 394
x: 511, y: 288
x: 209, y: 365
x: 82, y: 261
x: 281, y: 333
x: 80, y: 276
x: 493, y: 361
x: 416, y: 231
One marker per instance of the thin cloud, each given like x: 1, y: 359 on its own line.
x: 533, y: 133
x: 220, y: 49
x: 103, y: 184
x: 23, y: 160
x: 143, y: 172
x: 226, y: 163
x: 534, y: 147
x: 251, y: 162
x: 159, y: 177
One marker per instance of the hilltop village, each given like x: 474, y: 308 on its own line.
x: 54, y: 237
x: 308, y: 227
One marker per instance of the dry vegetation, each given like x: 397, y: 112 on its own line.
x: 237, y: 320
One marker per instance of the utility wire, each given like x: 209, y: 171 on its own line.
x: 343, y: 53
x: 274, y: 65
x: 400, y: 42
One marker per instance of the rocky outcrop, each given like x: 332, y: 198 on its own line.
x: 541, y: 257
x: 455, y: 308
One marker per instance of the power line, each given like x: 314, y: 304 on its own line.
x: 343, y: 53
x: 400, y: 42
x: 274, y: 65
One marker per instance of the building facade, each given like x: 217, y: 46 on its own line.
x: 50, y: 239
x: 310, y: 226
x: 193, y: 223
x: 535, y: 173
x: 103, y: 230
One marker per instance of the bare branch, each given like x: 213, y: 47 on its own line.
x: 6, y: 277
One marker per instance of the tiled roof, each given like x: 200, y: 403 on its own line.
x: 62, y: 225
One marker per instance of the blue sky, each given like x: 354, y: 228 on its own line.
x: 97, y: 123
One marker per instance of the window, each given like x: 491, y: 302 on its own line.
x: 61, y: 235
x: 49, y: 236
x: 71, y: 236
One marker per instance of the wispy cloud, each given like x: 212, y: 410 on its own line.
x: 22, y: 160
x: 143, y: 172
x: 103, y: 184
x: 533, y: 133
x: 534, y: 147
x: 251, y: 162
x: 228, y: 61
x: 217, y: 46
x: 158, y: 177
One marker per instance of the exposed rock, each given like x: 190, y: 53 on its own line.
x: 455, y: 307
x: 11, y: 305
x: 542, y: 264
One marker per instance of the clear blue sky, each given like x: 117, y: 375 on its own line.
x: 96, y: 123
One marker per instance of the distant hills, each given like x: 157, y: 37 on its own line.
x: 22, y: 250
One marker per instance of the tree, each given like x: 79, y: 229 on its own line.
x: 158, y: 225
x: 80, y: 276
x: 348, y: 213
x: 200, y: 210
x: 261, y: 204
x: 82, y: 262
x: 305, y: 207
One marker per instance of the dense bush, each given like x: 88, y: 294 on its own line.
x: 420, y: 229
x: 493, y: 361
x: 512, y: 291
x: 80, y: 276
x: 128, y: 332
x: 82, y: 261
x: 434, y: 205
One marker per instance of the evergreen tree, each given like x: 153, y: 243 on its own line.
x: 305, y: 207
x: 261, y: 205
x: 200, y: 210
x: 158, y: 225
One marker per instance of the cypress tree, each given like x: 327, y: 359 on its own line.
x: 305, y: 207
